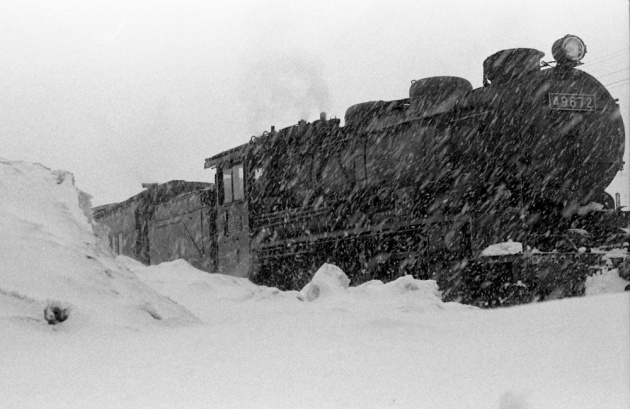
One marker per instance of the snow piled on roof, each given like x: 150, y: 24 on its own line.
x: 329, y: 345
x: 503, y: 249
x: 50, y: 254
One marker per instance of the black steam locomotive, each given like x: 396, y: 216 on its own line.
x: 419, y: 186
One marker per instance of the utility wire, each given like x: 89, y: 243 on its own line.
x: 621, y: 50
x: 616, y: 82
x: 609, y: 55
x: 611, y: 73
x: 604, y: 59
x: 604, y: 69
x: 619, y: 85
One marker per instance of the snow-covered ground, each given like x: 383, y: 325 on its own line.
x: 170, y: 336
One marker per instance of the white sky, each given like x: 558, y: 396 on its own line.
x: 132, y: 91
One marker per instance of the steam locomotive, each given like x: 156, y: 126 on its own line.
x: 420, y: 186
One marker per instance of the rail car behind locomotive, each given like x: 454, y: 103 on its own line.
x: 166, y: 222
x: 423, y: 184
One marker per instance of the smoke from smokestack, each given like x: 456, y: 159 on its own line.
x: 282, y: 89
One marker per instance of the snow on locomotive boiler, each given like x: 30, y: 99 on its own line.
x: 423, y: 184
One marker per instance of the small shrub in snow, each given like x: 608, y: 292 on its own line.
x: 55, y: 313
x: 152, y: 311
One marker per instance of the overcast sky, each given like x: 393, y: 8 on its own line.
x: 132, y: 91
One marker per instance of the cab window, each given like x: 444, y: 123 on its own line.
x: 227, y: 186
x: 233, y: 184
x: 237, y: 183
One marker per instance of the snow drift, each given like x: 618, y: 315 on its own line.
x: 389, y: 344
x: 214, y: 297
x: 52, y: 258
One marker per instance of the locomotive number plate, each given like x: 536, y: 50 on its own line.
x: 572, y: 102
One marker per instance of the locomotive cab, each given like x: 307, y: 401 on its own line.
x: 233, y: 250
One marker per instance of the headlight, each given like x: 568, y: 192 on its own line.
x: 569, y: 49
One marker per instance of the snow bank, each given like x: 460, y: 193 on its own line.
x: 330, y: 288
x: 175, y: 277
x: 216, y: 297
x: 211, y: 297
x: 52, y: 257
x: 389, y: 345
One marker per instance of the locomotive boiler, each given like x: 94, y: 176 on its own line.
x: 423, y: 184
